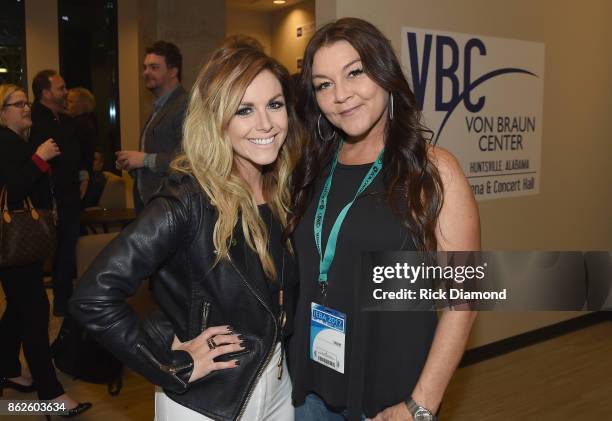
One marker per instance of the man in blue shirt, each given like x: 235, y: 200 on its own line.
x: 160, y: 139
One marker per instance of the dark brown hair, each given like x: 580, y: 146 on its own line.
x: 41, y: 82
x: 413, y: 186
x: 171, y: 54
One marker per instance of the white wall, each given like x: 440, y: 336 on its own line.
x: 196, y: 27
x: 129, y: 74
x: 325, y: 11
x: 286, y: 47
x: 42, y: 49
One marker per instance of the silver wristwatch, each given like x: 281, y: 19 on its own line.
x: 418, y: 412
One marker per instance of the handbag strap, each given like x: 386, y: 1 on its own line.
x: 27, y: 204
x: 6, y: 216
x: 3, y: 202
x: 31, y: 208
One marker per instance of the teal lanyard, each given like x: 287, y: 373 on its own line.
x: 325, y: 260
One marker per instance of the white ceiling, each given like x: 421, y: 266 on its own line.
x: 258, y: 5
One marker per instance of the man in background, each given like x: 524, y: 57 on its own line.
x: 69, y: 176
x: 160, y: 139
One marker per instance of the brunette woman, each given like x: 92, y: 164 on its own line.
x: 369, y: 180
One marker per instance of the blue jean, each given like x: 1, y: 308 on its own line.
x: 314, y: 409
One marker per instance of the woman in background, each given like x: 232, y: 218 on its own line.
x: 24, y: 172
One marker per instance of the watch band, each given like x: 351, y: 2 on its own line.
x: 419, y: 412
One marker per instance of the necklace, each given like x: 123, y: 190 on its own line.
x: 282, y: 316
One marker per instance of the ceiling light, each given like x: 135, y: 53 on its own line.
x: 279, y: 1
x: 3, y: 70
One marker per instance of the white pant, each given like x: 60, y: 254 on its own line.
x: 270, y: 400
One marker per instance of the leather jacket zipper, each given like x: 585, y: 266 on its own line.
x: 163, y: 367
x: 270, y: 352
x: 205, y: 316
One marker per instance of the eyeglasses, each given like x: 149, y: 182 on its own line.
x: 19, y: 104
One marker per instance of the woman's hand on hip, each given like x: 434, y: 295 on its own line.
x: 208, y: 345
x: 397, y: 412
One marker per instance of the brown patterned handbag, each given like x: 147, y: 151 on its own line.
x: 27, y: 235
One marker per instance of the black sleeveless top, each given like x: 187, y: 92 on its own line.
x: 276, y: 250
x: 285, y: 267
x: 385, y: 351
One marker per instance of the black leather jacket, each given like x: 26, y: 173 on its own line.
x: 171, y: 243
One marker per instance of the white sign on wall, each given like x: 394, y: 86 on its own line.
x: 482, y: 97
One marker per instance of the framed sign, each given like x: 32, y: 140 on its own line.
x: 482, y: 97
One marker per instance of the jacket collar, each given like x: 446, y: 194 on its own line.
x: 42, y: 111
x: 246, y: 262
x: 243, y: 259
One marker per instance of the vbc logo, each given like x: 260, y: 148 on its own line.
x: 438, y: 47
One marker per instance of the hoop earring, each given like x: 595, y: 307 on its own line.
x: 390, y: 105
x: 319, y: 131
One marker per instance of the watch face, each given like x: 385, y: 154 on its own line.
x: 423, y: 415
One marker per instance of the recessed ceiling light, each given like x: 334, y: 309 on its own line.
x: 3, y: 70
x: 279, y: 1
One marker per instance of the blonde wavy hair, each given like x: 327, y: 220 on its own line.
x: 208, y: 154
x: 84, y: 101
x: 6, y: 90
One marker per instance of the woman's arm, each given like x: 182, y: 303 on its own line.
x: 99, y: 303
x: 19, y: 170
x: 458, y: 229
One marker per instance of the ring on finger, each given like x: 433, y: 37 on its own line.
x: 211, y: 343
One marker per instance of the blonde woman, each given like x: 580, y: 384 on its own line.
x: 80, y: 101
x: 210, y: 242
x: 24, y: 171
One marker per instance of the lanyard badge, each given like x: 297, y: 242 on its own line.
x: 326, y: 259
x: 327, y: 337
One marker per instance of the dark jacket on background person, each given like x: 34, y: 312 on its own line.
x: 66, y: 187
x: 171, y: 242
x: 66, y: 166
x: 162, y: 136
x: 20, y: 174
x: 87, y: 134
x: 25, y: 319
